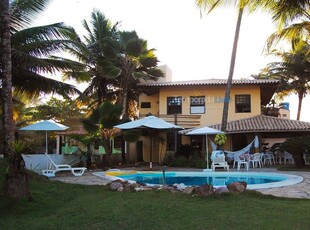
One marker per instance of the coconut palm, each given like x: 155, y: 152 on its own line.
x: 98, y: 51
x: 241, y: 4
x: 116, y: 61
x: 33, y: 49
x: 292, y: 18
x: 6, y: 77
x: 136, y: 63
x: 293, y: 72
x: 283, y: 11
x: 29, y: 59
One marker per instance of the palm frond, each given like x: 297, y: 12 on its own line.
x: 33, y: 84
x: 24, y: 12
x: 298, y: 30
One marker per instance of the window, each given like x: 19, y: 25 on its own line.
x: 197, y: 105
x: 145, y: 105
x: 174, y: 105
x: 243, y: 103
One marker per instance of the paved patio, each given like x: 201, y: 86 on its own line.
x: 301, y: 190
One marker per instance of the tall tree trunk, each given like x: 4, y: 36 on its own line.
x: 6, y: 77
x: 231, y: 72
x: 16, y: 183
x: 300, y: 98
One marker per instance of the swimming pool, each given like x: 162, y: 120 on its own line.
x: 255, y: 180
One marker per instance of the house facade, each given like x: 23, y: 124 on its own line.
x: 205, y: 98
x: 191, y: 104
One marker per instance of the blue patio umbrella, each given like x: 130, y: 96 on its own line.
x: 205, y: 131
x: 150, y: 122
x: 46, y: 126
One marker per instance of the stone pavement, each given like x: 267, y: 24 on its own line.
x: 301, y: 190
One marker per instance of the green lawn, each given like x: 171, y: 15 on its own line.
x: 63, y: 206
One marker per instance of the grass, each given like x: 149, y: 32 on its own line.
x: 65, y: 206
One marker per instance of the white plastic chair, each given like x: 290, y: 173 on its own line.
x: 237, y: 159
x: 54, y: 168
x: 268, y: 158
x: 288, y: 157
x: 256, y: 158
x: 241, y: 161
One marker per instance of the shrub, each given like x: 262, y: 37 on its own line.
x: 169, y: 158
x: 198, y: 164
x: 180, y: 161
x: 184, y: 150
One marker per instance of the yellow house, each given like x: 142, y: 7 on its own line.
x: 197, y: 103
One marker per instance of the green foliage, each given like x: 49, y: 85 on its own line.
x: 292, y: 72
x: 19, y: 147
x: 180, y: 161
x: 169, y: 158
x: 16, y: 161
x: 109, y: 115
x: 56, y: 109
x: 185, y: 150
x: 102, y: 121
x: 220, y: 139
x: 33, y: 49
x: 106, y: 116
x: 197, y: 163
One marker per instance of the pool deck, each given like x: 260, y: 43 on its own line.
x: 301, y: 190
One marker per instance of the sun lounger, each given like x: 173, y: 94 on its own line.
x: 218, y: 160
x: 76, y: 171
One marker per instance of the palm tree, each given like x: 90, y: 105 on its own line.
x: 102, y: 120
x: 27, y: 55
x: 292, y: 18
x: 6, y: 78
x: 98, y: 52
x: 293, y: 72
x: 207, y: 4
x: 136, y: 63
x: 283, y: 11
x: 33, y: 49
x: 116, y: 61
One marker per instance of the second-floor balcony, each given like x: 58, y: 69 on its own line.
x: 185, y: 121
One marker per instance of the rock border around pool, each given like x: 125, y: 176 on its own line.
x: 201, y: 190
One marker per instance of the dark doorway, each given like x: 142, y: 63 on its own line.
x: 139, y: 146
x: 239, y: 141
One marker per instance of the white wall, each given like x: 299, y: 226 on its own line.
x: 38, y: 162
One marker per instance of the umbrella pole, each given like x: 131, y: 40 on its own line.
x: 207, y: 156
x: 151, y: 153
x: 46, y: 147
x: 207, y: 150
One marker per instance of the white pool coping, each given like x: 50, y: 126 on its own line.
x: 290, y: 179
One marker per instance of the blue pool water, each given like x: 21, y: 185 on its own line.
x: 255, y: 180
x: 190, y: 180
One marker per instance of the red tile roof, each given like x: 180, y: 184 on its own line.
x: 212, y: 82
x: 263, y: 123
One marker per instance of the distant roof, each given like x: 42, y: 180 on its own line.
x: 212, y: 82
x: 263, y: 123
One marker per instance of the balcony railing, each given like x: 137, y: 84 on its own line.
x: 185, y: 121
